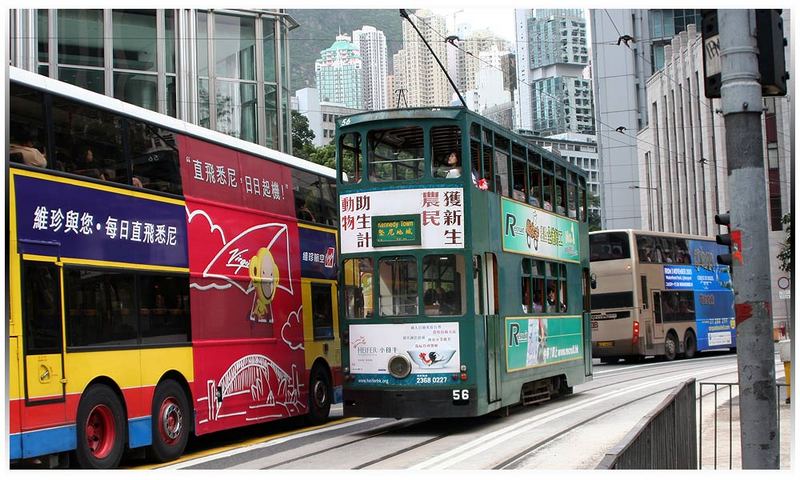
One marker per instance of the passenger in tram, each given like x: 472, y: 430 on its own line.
x: 22, y: 149
x: 449, y: 166
x: 551, y: 301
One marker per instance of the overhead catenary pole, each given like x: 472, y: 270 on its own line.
x: 741, y: 106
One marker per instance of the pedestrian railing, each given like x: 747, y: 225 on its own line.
x: 666, y: 438
x: 726, y: 425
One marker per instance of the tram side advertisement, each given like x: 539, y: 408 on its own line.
x: 535, y: 342
x: 432, y: 349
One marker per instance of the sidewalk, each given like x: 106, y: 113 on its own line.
x: 728, y: 440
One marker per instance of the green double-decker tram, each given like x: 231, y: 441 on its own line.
x: 464, y: 266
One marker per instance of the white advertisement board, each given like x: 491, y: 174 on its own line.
x: 440, y: 210
x: 431, y: 347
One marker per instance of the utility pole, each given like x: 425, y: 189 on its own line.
x: 741, y: 107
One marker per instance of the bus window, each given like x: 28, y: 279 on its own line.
x: 154, y: 159
x: 88, y: 141
x: 322, y: 311
x: 396, y: 154
x: 398, y: 295
x: 645, y: 246
x: 329, y: 214
x: 100, y: 308
x: 357, y: 288
x: 164, y: 309
x: 350, y: 158
x: 446, y: 141
x: 520, y: 180
x: 28, y: 141
x: 678, y: 306
x: 41, y: 308
x: 443, y: 284
x: 608, y: 246
x: 656, y: 307
x: 307, y: 196
x: 682, y: 255
x: 644, y: 291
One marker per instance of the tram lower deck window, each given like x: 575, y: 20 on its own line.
x: 398, y: 293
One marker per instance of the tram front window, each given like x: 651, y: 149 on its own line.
x: 396, y: 154
x: 398, y: 286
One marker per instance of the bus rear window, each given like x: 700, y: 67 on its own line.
x: 396, y: 154
x: 609, y: 246
x: 602, y: 301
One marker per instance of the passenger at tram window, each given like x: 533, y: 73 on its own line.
x: 553, y: 305
x: 22, y: 149
x: 449, y: 166
x: 518, y: 193
x: 537, y: 302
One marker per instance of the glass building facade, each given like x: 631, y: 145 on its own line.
x: 227, y: 70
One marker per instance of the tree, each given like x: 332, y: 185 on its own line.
x: 594, y: 218
x: 785, y: 255
x: 302, y: 136
x: 324, y: 155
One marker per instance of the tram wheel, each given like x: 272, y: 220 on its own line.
x: 671, y: 347
x: 100, y: 427
x: 170, y: 421
x: 320, y: 394
x: 690, y: 345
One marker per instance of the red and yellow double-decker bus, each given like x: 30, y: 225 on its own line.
x: 163, y: 279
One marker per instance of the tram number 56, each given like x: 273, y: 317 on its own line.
x: 460, y: 397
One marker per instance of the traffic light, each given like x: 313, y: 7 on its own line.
x: 724, y: 219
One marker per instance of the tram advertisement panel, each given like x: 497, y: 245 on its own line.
x: 432, y: 349
x: 440, y: 222
x: 531, y: 231
x: 535, y: 342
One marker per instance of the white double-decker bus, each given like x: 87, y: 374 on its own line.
x: 657, y: 293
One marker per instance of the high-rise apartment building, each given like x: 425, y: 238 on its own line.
x: 417, y: 74
x: 552, y: 54
x: 338, y: 73
x: 372, y: 45
x: 222, y: 69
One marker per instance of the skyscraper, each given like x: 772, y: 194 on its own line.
x: 553, y: 53
x: 339, y: 73
x: 372, y: 45
x: 416, y: 71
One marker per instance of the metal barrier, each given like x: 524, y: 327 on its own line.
x: 720, y: 388
x: 666, y: 438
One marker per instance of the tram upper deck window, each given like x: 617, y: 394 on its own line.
x: 395, y: 154
x: 154, y: 158
x: 350, y: 158
x: 398, y: 293
x: 501, y: 165
x: 443, y: 282
x: 608, y: 246
x: 446, y: 144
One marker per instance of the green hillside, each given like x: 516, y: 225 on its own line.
x: 318, y: 30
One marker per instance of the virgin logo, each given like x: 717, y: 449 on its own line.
x: 329, y: 257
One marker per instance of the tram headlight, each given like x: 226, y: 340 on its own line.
x: 399, y: 366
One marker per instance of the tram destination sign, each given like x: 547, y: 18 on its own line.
x: 396, y: 230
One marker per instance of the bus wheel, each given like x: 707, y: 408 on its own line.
x: 671, y: 347
x: 170, y: 420
x: 690, y: 345
x: 320, y: 394
x: 100, y: 426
